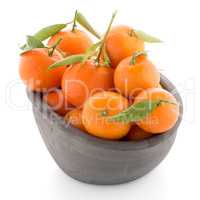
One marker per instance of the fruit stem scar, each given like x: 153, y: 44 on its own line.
x: 136, y: 55
x: 132, y: 33
x: 74, y: 21
x: 104, y: 113
x: 105, y: 36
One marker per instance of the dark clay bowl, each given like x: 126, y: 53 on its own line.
x: 97, y: 161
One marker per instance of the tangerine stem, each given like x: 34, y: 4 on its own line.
x: 52, y: 48
x: 105, y: 36
x: 61, y: 53
x: 74, y: 21
x: 132, y: 33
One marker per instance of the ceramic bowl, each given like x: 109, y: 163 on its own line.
x: 98, y: 161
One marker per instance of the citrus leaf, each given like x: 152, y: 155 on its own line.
x: 83, y: 22
x: 146, y: 37
x: 23, y: 47
x: 91, y: 51
x: 33, y: 42
x: 49, y: 31
x: 45, y: 33
x: 137, y: 111
x: 67, y: 61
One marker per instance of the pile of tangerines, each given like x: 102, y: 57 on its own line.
x: 109, y: 89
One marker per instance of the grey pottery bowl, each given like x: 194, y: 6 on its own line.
x: 97, y: 161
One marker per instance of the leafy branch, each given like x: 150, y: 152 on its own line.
x: 138, y: 111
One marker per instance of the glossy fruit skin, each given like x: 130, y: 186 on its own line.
x: 131, y: 79
x: 73, y: 42
x: 164, y: 117
x: 74, y: 117
x: 120, y: 44
x: 83, y: 80
x: 56, y: 100
x: 97, y: 123
x: 137, y: 134
x: 33, y: 70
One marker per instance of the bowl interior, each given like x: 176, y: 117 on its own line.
x: 36, y: 99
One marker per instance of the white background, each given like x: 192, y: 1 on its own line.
x: 27, y: 171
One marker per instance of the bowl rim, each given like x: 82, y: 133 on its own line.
x: 82, y: 137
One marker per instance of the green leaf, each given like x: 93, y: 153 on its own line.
x: 83, y: 22
x: 23, y: 47
x: 45, y: 33
x: 33, y: 42
x: 137, y: 111
x: 91, y: 51
x: 67, y: 61
x: 49, y: 31
x: 146, y: 37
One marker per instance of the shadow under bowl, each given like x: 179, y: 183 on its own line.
x: 96, y: 161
